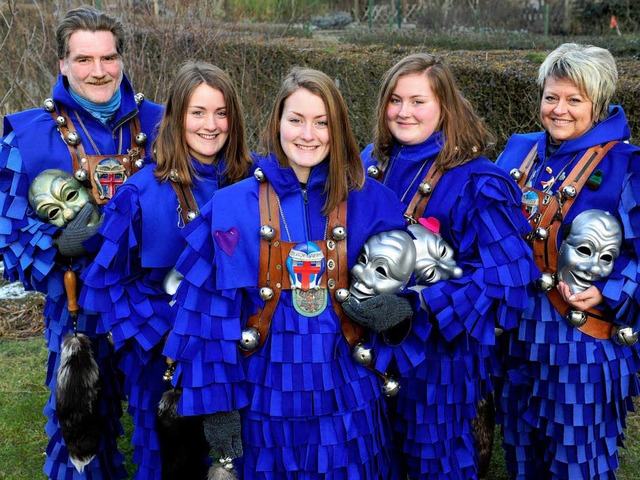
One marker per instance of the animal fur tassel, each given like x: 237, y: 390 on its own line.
x: 483, y: 426
x: 183, y: 446
x: 77, y: 389
x: 222, y: 470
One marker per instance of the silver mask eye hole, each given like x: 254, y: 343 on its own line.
x: 607, y: 258
x: 586, y: 251
x: 72, y: 195
x: 53, y: 213
x: 382, y: 272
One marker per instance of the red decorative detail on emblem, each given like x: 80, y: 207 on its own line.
x: 306, y: 269
x: 111, y: 181
x: 431, y: 223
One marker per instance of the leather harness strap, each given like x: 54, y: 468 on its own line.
x: 187, y: 203
x: 420, y: 199
x: 554, y: 210
x: 273, y: 256
x: 82, y: 161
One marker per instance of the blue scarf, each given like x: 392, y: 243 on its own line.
x: 102, y: 111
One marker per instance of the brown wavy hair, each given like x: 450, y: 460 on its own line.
x: 345, y: 168
x: 465, y: 134
x: 170, y: 149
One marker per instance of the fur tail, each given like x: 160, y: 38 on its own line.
x: 483, y: 426
x: 183, y: 446
x: 77, y: 389
x: 222, y: 471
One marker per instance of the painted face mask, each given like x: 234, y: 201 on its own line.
x: 57, y: 197
x: 384, y: 265
x: 590, y: 250
x: 434, y: 256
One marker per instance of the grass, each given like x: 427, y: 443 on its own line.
x: 23, y: 441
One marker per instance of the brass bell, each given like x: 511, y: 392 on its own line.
x: 576, y: 318
x: 73, y: 138
x: 425, y: 188
x: 569, y: 191
x: 546, y: 282
x: 266, y: 294
x: 390, y: 387
x: 373, y: 171
x: 515, y: 174
x: 168, y: 373
x: 362, y: 354
x: 250, y: 339
x: 191, y: 215
x: 139, y: 163
x: 259, y: 174
x: 498, y: 331
x: 61, y: 121
x: 342, y: 294
x: 49, y: 106
x: 542, y: 233
x: 267, y: 232
x: 139, y: 98
x: 81, y: 175
x: 625, y: 336
x: 141, y: 139
x: 339, y: 233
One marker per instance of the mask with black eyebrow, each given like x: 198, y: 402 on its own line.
x: 57, y: 197
x: 590, y: 250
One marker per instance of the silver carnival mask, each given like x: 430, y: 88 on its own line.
x: 590, y: 250
x: 384, y: 265
x: 57, y: 197
x: 434, y: 257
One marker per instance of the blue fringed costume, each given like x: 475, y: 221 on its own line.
x: 30, y: 145
x: 477, y: 206
x: 142, y: 240
x: 308, y: 409
x: 566, y: 394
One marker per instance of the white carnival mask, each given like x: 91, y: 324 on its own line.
x: 434, y: 257
x: 590, y: 250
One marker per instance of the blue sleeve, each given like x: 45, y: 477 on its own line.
x: 131, y: 299
x: 26, y: 243
x: 496, y: 262
x: 620, y: 289
x: 204, y: 338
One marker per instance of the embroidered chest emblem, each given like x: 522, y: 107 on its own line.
x: 306, y: 265
x: 109, y: 175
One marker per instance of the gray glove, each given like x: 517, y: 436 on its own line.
x: 379, y: 313
x: 222, y: 430
x: 76, y: 232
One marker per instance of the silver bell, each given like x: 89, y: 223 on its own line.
x: 61, y: 121
x: 49, y: 106
x: 390, y: 387
x: 339, y: 233
x: 139, y: 98
x: 569, y: 191
x: 362, y: 354
x: 141, y: 139
x: 625, y: 336
x: 267, y: 232
x: 373, y: 171
x: 259, y: 174
x: 250, y: 339
x: 576, y: 318
x: 515, y: 174
x: 73, y: 138
x: 81, y: 175
x: 191, y: 215
x: 546, y: 282
x: 498, y: 331
x: 425, y: 188
x: 542, y: 233
x: 266, y: 294
x: 173, y: 175
x: 139, y: 163
x: 342, y: 294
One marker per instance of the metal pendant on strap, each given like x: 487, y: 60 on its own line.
x: 187, y: 206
